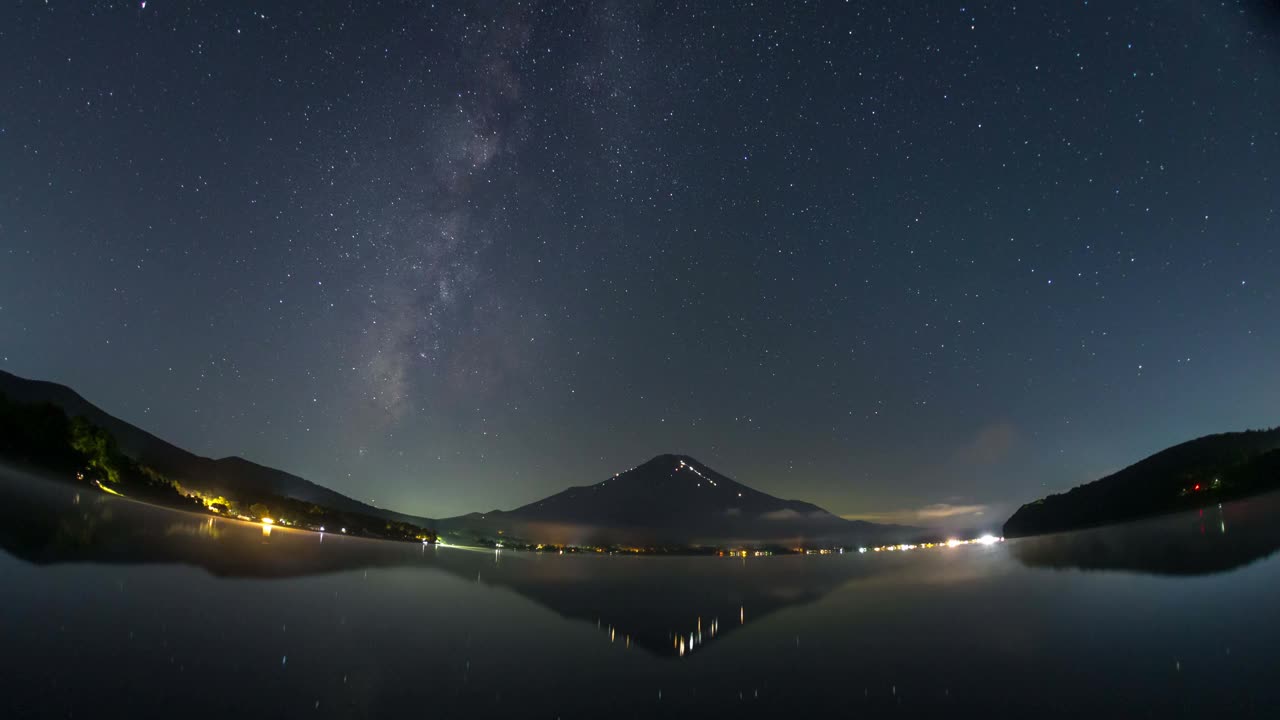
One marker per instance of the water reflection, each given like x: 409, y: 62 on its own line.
x: 1211, y: 540
x: 40, y: 523
x: 669, y: 607
x: 951, y: 632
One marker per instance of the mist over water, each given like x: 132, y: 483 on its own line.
x: 151, y: 607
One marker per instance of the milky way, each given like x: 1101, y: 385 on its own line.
x: 906, y: 262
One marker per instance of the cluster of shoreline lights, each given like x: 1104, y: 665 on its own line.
x: 269, y: 523
x: 984, y: 540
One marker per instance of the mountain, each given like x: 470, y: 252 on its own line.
x: 1193, y: 474
x: 230, y: 476
x: 673, y: 500
x: 669, y: 500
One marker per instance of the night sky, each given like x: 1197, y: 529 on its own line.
x: 916, y: 261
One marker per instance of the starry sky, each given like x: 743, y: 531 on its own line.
x: 918, y: 262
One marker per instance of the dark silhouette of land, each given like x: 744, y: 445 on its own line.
x: 75, y: 450
x: 233, y: 477
x: 1193, y: 474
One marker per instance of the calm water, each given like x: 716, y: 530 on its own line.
x: 113, y: 606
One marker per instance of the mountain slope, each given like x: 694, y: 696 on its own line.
x: 1192, y: 474
x: 230, y: 476
x: 672, y: 499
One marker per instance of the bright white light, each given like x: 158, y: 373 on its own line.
x: 988, y: 540
x: 953, y: 542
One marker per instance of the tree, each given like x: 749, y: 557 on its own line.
x: 259, y: 510
x: 98, y: 448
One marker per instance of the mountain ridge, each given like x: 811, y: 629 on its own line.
x: 227, y: 475
x: 1190, y: 474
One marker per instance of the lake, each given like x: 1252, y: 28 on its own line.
x: 111, y: 607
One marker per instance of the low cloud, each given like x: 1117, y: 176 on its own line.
x: 937, y: 513
x: 945, y: 510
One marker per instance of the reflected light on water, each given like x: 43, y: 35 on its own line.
x: 685, y: 643
x: 952, y: 543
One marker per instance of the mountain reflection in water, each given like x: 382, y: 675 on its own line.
x: 111, y: 604
x: 47, y: 522
x: 695, y: 603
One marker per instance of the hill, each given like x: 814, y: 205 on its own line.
x: 1193, y: 474
x: 230, y: 476
x: 673, y: 500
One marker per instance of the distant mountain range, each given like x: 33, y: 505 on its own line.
x: 669, y: 500
x: 1193, y: 474
x: 674, y: 499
